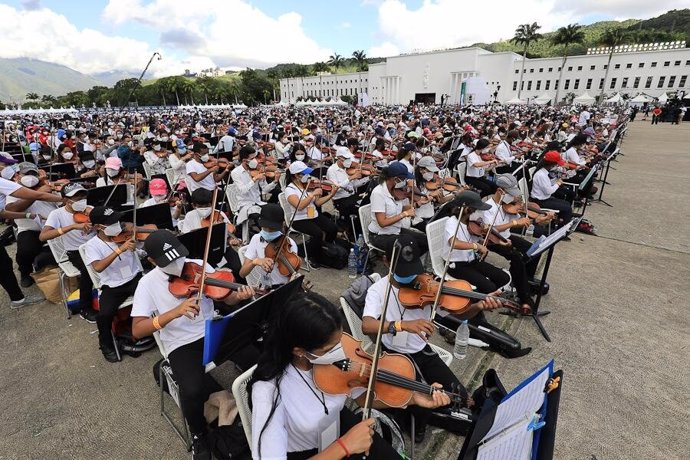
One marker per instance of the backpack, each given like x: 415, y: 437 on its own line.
x: 333, y: 255
x: 356, y: 294
x: 229, y: 442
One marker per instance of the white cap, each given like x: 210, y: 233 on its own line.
x: 427, y: 163
x: 343, y: 152
x: 297, y: 167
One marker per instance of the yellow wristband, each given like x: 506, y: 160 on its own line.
x: 118, y: 250
x: 398, y: 326
x: 474, y: 246
x: 156, y: 323
x: 60, y: 231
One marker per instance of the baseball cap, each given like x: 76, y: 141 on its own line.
x: 202, y: 196
x: 113, y: 163
x: 472, y: 200
x: 299, y: 167
x: 271, y: 216
x: 27, y: 166
x: 104, y: 215
x: 509, y: 183
x: 409, y: 256
x: 7, y: 158
x: 553, y: 157
x: 158, y: 187
x: 397, y: 169
x: 343, y: 152
x: 8, y: 172
x: 164, y: 247
x: 427, y: 163
x: 72, y: 189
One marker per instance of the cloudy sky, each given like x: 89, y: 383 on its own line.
x: 102, y: 35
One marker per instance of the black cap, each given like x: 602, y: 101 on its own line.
x: 164, y: 247
x: 482, y: 143
x: 202, y: 196
x: 471, y: 200
x: 72, y: 189
x: 271, y: 216
x: 198, y: 146
x: 409, y: 256
x: 104, y: 216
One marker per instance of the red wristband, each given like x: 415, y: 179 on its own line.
x: 342, y: 444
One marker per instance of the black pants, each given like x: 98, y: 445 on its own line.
x: 320, y: 229
x: 28, y: 248
x: 386, y: 242
x: 520, y: 271
x: 195, y: 385
x: 484, y: 185
x: 380, y: 449
x: 109, y: 302
x: 565, y: 211
x: 8, y: 280
x: 85, y: 284
x: 347, y: 207
x: 484, y: 276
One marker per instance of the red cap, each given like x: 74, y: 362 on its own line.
x: 554, y: 157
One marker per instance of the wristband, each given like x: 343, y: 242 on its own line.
x: 60, y: 231
x: 398, y: 326
x: 27, y: 215
x: 342, y: 444
x: 118, y: 251
x: 474, y: 246
x: 156, y: 323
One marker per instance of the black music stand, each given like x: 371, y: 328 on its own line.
x: 99, y: 195
x: 195, y: 242
x: 158, y: 214
x: 606, y: 175
x: 588, y: 178
x: 60, y: 170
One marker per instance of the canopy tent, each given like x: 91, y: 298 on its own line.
x: 515, y: 101
x: 543, y: 99
x: 663, y: 97
x: 641, y: 99
x: 584, y: 99
x: 21, y: 111
x: 616, y: 99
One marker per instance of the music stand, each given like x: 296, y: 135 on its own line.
x: 61, y: 170
x: 99, y: 195
x: 195, y: 242
x: 606, y: 175
x: 588, y: 178
x: 158, y: 214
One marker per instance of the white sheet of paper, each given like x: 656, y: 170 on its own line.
x: 513, y: 444
x: 400, y: 339
x: 329, y: 435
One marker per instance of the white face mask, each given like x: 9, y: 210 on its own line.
x: 204, y: 212
x: 333, y: 355
x: 204, y: 158
x: 175, y: 267
x: 156, y: 148
x: 347, y: 162
x: 299, y: 157
x: 253, y: 163
x: 113, y: 229
x: 46, y: 157
x: 112, y: 172
x: 506, y: 198
x: 89, y: 164
x: 428, y: 175
x: 119, y: 135
x: 304, y: 179
x: 67, y: 155
x: 111, y: 141
x: 164, y: 139
x: 79, y: 205
x: 130, y: 144
x: 401, y: 184
x: 29, y: 181
x: 159, y: 198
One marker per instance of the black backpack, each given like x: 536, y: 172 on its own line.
x: 333, y: 255
x: 229, y: 442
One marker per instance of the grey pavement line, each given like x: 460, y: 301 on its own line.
x: 637, y: 243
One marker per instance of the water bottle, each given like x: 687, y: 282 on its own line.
x: 462, y: 337
x: 352, y: 264
x: 362, y: 254
x: 266, y: 280
x: 530, y: 230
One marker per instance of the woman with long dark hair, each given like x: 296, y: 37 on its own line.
x: 291, y: 418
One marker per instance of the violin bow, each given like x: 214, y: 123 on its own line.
x: 113, y: 191
x: 207, y: 248
x: 488, y: 232
x: 376, y: 355
x: 447, y: 264
x: 134, y: 211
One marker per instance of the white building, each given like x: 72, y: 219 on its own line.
x: 429, y: 76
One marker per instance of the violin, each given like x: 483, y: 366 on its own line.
x: 456, y: 296
x: 326, y: 186
x: 81, y: 217
x: 139, y: 233
x: 449, y: 184
x: 495, y: 237
x: 365, y: 169
x: 394, y: 380
x: 216, y: 217
x: 212, y: 162
x: 55, y: 185
x: 217, y: 285
x: 488, y: 156
x: 533, y: 209
x: 288, y: 262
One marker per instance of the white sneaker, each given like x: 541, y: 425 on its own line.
x: 27, y: 300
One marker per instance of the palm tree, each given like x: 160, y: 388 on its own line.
x: 361, y: 59
x: 567, y: 36
x: 336, y: 60
x: 524, y: 35
x: 610, y: 38
x: 32, y: 96
x: 320, y: 67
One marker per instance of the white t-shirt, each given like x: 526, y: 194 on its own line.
x: 458, y: 255
x: 248, y: 190
x: 61, y: 217
x: 383, y: 201
x: 571, y: 156
x: 542, y: 186
x: 207, y: 182
x: 409, y: 166
x: 303, y: 214
x: 339, y: 176
x: 192, y: 221
x: 472, y: 159
x: 584, y: 118
x: 256, y: 249
x: 120, y: 271
x: 488, y: 216
x: 373, y: 306
x: 42, y: 209
x: 6, y: 187
x: 315, y: 154
x: 225, y: 144
x: 152, y: 295
x: 504, y: 153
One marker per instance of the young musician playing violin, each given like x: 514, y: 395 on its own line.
x: 118, y: 269
x: 181, y: 326
x: 198, y: 175
x: 546, y: 191
x: 407, y: 331
x: 291, y: 418
x: 159, y: 194
x: 432, y: 191
x: 61, y: 223
x: 346, y: 199
x: 477, y: 168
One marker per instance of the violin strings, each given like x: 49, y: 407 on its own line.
x: 394, y: 379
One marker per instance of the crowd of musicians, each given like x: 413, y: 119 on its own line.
x: 309, y: 171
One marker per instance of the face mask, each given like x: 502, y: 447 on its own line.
x: 204, y: 158
x: 130, y: 144
x: 425, y: 149
x: 507, y: 198
x: 89, y: 164
x: 111, y: 141
x: 159, y: 198
x: 67, y: 155
x: 112, y: 172
x: 79, y: 205
x: 175, y: 267
x: 347, y: 163
x: 428, y: 175
x: 113, y: 229
x: 299, y: 157
x: 119, y: 135
x: 304, y: 179
x: 46, y: 157
x: 204, y: 212
x: 270, y: 236
x: 29, y: 181
x: 156, y: 148
x: 253, y: 163
x: 404, y: 279
x: 401, y: 184
x: 164, y: 139
x: 333, y: 355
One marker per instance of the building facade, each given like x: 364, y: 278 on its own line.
x: 439, y: 76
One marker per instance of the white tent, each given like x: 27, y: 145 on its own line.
x: 584, y: 99
x: 641, y: 99
x: 663, y: 97
x: 515, y: 101
x: 617, y: 99
x: 543, y: 99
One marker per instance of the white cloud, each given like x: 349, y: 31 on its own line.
x: 49, y: 36
x: 385, y: 49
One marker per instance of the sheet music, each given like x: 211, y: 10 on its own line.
x: 549, y: 240
x: 522, y: 402
x: 513, y: 444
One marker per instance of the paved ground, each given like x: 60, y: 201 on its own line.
x: 619, y: 326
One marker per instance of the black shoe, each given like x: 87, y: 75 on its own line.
x: 419, y: 434
x: 26, y: 281
x: 534, y: 286
x: 89, y: 315
x: 511, y: 354
x: 200, y: 450
x: 109, y: 354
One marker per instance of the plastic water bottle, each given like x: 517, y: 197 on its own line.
x: 530, y: 230
x: 352, y: 264
x: 462, y: 337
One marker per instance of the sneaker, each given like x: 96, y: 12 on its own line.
x: 88, y: 315
x: 27, y: 300
x: 26, y: 281
x: 109, y: 354
x: 200, y: 450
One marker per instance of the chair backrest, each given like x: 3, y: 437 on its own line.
x: 147, y: 170
x: 365, y: 220
x: 523, y: 186
x: 462, y: 169
x: 435, y: 232
x: 254, y: 276
x: 530, y: 171
x: 443, y: 173
x: 172, y: 178
x: 282, y: 181
x: 93, y: 274
x: 355, y: 323
x: 233, y: 201
x: 239, y: 392
x: 287, y: 209
x: 57, y: 248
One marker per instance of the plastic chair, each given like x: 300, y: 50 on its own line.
x: 147, y: 170
x: 67, y: 269
x: 172, y: 178
x: 239, y: 392
x: 435, y: 232
x: 461, y: 168
x: 233, y: 202
x: 254, y: 277
x: 288, y: 211
x: 365, y: 219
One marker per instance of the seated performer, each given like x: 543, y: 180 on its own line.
x: 547, y: 191
x: 346, y: 199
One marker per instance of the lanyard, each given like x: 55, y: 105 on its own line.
x: 322, y: 399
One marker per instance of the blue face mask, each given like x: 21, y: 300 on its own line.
x: 270, y: 236
x: 404, y: 279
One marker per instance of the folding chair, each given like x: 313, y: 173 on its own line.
x: 233, y: 202
x: 239, y: 392
x: 288, y: 211
x: 67, y: 270
x: 365, y: 220
x: 254, y: 277
x: 461, y: 169
x: 147, y: 170
x: 435, y: 232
